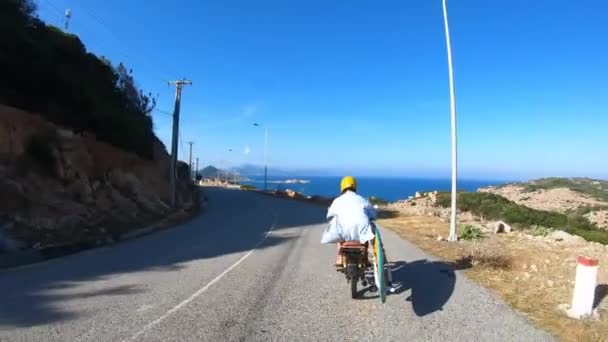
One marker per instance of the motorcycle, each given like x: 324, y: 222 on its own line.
x: 355, y: 263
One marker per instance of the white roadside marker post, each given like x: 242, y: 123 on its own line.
x: 584, y: 288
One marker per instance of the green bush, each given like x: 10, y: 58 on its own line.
x: 377, y: 200
x: 469, y: 232
x: 248, y: 187
x: 495, y: 207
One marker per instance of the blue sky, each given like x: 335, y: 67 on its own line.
x: 361, y: 86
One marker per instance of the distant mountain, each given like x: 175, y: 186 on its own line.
x: 209, y: 172
x: 252, y: 170
x: 257, y: 171
x: 213, y: 172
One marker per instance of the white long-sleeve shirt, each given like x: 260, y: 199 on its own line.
x: 351, y: 216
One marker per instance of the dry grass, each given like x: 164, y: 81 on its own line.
x: 483, y: 259
x: 534, y: 276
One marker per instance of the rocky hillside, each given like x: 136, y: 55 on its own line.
x: 541, y: 210
x: 588, y: 197
x: 58, y: 187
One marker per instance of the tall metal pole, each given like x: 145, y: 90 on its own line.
x: 265, y: 155
x: 172, y: 171
x: 190, y: 160
x: 196, y: 171
x: 265, y: 158
x: 453, y: 224
x: 233, y: 170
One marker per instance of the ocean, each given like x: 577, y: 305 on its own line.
x: 390, y: 189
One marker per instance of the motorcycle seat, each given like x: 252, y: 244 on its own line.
x: 353, y: 244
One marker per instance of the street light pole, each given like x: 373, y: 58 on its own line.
x: 453, y: 232
x: 265, y: 158
x: 265, y: 155
x: 227, y: 175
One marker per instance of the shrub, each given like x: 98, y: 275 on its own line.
x: 377, y: 200
x: 247, y: 187
x: 485, y: 259
x: 469, y: 232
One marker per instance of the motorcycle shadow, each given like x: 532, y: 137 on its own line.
x: 431, y: 284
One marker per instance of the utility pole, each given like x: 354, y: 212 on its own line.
x: 196, y: 171
x: 190, y: 159
x: 179, y: 84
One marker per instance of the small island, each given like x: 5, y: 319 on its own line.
x: 296, y: 181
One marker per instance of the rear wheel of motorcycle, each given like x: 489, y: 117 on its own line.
x: 353, y: 288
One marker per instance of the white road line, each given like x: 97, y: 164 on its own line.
x: 199, y: 292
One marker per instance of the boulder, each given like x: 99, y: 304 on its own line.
x: 560, y: 235
x: 502, y: 227
x: 417, y: 195
x: 123, y: 205
x: 125, y: 181
x: 65, y: 133
x: 433, y: 197
x: 152, y: 203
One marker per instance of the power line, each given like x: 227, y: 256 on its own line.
x: 90, y: 12
x: 115, y: 36
x: 160, y: 111
x: 54, y: 9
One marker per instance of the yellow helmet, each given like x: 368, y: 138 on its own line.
x: 348, y: 182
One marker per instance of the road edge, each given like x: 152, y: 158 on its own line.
x: 31, y: 257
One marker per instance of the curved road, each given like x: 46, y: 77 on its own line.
x: 250, y: 268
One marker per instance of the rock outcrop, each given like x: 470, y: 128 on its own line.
x: 73, y: 187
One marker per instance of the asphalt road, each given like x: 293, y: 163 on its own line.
x: 250, y: 268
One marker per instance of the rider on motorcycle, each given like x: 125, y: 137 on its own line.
x: 353, y: 213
